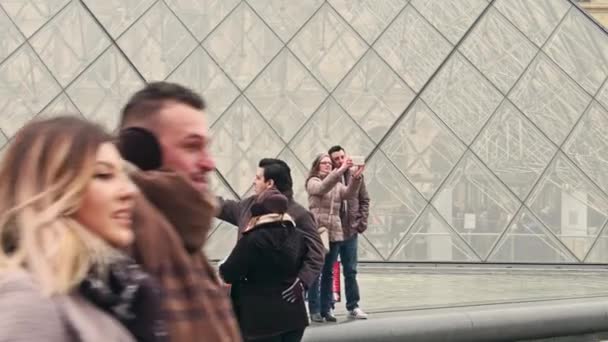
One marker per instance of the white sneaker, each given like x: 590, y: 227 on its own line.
x: 357, y: 313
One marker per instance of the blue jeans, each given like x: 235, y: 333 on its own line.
x: 348, y: 258
x: 320, y: 296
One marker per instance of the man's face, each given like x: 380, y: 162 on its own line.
x: 337, y: 158
x: 183, y: 136
x: 259, y: 182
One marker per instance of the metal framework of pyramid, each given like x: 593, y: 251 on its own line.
x: 484, y: 123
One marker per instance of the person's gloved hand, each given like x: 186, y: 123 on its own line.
x: 294, y: 292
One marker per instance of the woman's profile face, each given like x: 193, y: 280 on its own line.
x: 324, y: 166
x: 107, y: 205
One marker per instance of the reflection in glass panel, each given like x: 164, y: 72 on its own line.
x: 373, y: 95
x: 30, y: 15
x: 499, y: 50
x: 117, y: 15
x: 242, y: 45
x: 201, y: 74
x: 69, y: 42
x: 576, y: 42
x: 328, y: 47
x: 549, y: 98
x: 423, y: 149
x: 571, y: 206
x: 451, y: 17
x: 393, y: 207
x: 588, y: 145
x: 25, y: 88
x: 412, y: 47
x: 201, y: 16
x: 61, y: 105
x: 527, y: 240
x: 157, y: 42
x: 104, y: 88
x: 462, y: 97
x: 330, y: 126
x: 602, y: 96
x: 476, y: 204
x: 368, y: 17
x: 221, y: 241
x: 285, y: 17
x: 299, y: 173
x: 11, y: 38
x: 599, y: 253
x: 286, y: 94
x: 536, y: 18
x: 514, y: 149
x: 431, y: 239
x: 365, y: 251
x: 240, y: 139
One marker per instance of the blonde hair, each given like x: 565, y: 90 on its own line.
x: 43, y: 177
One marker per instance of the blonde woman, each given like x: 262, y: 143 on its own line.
x: 325, y: 195
x: 66, y: 204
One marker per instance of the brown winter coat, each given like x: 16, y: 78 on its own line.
x: 354, y: 218
x: 171, y: 224
x: 324, y: 200
x: 238, y: 213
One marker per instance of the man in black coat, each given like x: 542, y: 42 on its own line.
x: 276, y: 173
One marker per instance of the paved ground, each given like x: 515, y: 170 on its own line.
x: 386, y: 290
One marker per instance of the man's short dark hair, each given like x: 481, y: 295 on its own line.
x: 279, y: 172
x: 154, y: 96
x: 335, y: 149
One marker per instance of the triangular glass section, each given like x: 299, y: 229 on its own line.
x: 412, y: 47
x: 30, y: 15
x: 374, y: 95
x: 570, y: 205
x: 423, y: 148
x: 242, y: 45
x: 241, y: 138
x: 283, y: 16
x: 299, y: 173
x: 462, y: 97
x: 476, y: 204
x: 200, y: 73
x: 221, y: 242
x: 61, y: 105
x: 117, y: 15
x: 328, y: 46
x: 11, y: 38
x: 528, y: 241
x: 201, y: 16
x: 451, y: 17
x: 431, y: 239
x: 394, y: 205
x: 599, y: 253
x: 588, y: 145
x: 366, y: 251
x: 514, y: 149
x: 286, y: 94
x: 368, y: 17
x: 330, y: 126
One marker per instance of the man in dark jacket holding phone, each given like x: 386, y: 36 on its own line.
x: 353, y: 214
x: 276, y: 173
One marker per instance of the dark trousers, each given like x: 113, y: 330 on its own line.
x: 290, y: 336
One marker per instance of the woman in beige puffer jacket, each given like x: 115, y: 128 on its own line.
x: 325, y: 196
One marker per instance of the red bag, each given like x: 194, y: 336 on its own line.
x: 336, y: 285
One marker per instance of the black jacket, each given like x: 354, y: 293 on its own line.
x: 238, y: 213
x: 264, y: 262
